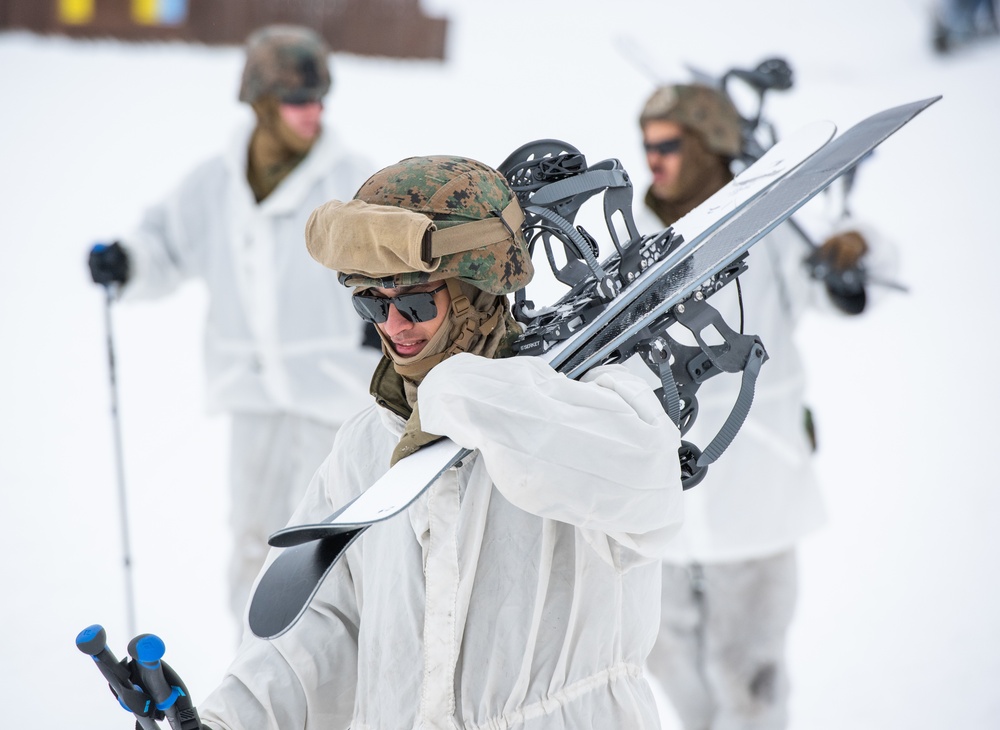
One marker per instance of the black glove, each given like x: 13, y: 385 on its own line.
x: 108, y: 264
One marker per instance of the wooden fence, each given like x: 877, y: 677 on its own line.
x: 391, y: 28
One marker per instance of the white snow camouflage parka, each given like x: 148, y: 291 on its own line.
x: 281, y: 334
x: 521, y: 591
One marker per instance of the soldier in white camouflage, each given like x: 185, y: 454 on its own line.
x: 284, y: 357
x: 520, y: 590
x: 730, y: 577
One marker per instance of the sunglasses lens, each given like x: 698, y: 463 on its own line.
x: 665, y: 147
x: 416, y: 307
x: 371, y: 309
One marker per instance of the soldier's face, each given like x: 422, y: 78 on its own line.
x: 662, y: 141
x: 303, y: 119
x: 409, y: 338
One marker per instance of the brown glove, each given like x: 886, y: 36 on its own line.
x: 841, y: 252
x: 838, y: 264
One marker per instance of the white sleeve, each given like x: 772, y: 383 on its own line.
x: 165, y: 248
x: 599, y: 453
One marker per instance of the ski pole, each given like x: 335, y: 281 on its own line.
x: 109, y: 292
x: 162, y: 683
x: 93, y: 642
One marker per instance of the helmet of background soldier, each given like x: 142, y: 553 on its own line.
x: 473, y: 233
x: 701, y: 109
x: 286, y: 62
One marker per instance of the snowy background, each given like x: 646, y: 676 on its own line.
x: 899, y: 619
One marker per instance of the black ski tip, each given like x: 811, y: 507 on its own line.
x: 290, y: 582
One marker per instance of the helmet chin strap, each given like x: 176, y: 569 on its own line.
x: 462, y: 310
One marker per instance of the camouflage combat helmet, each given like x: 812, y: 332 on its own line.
x: 702, y: 109
x: 474, y: 233
x: 286, y: 62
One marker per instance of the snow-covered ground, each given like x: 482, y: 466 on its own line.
x: 899, y: 620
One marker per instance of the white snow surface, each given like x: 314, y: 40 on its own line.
x: 898, y: 624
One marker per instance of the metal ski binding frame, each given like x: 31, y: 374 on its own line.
x: 683, y: 368
x: 552, y: 181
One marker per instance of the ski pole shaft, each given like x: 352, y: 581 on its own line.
x: 92, y: 641
x: 109, y: 291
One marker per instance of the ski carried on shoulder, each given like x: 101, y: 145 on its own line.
x: 311, y: 550
x: 614, y: 309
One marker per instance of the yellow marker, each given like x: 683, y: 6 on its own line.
x: 146, y: 12
x: 76, y: 12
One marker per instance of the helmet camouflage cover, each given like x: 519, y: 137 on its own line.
x: 451, y: 191
x: 286, y: 62
x: 702, y: 109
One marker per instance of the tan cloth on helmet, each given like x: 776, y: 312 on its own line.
x: 275, y: 150
x: 376, y: 240
x: 380, y: 241
x: 479, y: 323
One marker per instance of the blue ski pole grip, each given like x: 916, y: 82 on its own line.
x: 148, y: 650
x: 92, y: 641
x: 164, y: 685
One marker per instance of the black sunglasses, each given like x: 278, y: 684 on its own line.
x: 664, y: 147
x: 415, y: 306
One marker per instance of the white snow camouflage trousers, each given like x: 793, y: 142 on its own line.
x: 719, y: 655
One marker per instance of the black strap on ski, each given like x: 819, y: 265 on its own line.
x: 658, y: 357
x: 681, y: 409
x: 737, y: 352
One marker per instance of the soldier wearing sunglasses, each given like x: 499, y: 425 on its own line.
x: 522, y: 589
x: 730, y: 579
